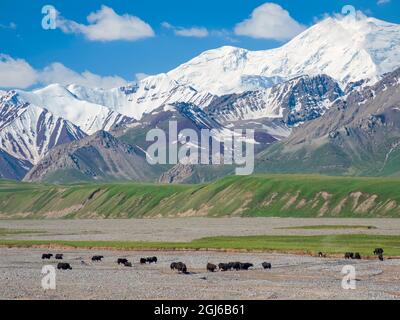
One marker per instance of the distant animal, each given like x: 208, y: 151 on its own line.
x: 97, y: 258
x: 59, y: 256
x: 128, y: 264
x: 266, y: 265
x: 380, y: 257
x: 64, y: 266
x: 378, y: 251
x: 224, y: 266
x: 235, y: 265
x: 46, y: 256
x: 245, y: 266
x: 181, y: 267
x: 357, y: 256
x: 349, y: 255
x: 143, y: 260
x: 321, y: 255
x: 122, y: 260
x: 151, y: 259
x: 211, y: 267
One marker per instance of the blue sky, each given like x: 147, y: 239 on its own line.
x: 168, y: 37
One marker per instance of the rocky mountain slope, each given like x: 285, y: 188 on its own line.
x: 294, y: 101
x: 100, y: 157
x: 12, y: 168
x: 273, y: 91
x: 61, y: 102
x: 360, y: 134
x: 28, y: 132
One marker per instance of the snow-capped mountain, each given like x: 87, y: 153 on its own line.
x: 345, y: 49
x: 27, y: 132
x: 295, y: 101
x: 271, y: 91
x: 13, y: 168
x: 61, y: 102
x: 144, y: 97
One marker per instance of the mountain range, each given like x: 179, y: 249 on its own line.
x: 327, y: 101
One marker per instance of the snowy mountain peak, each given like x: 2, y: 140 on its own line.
x: 344, y: 48
x: 27, y: 131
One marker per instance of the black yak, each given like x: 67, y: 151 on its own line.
x: 64, y: 266
x: 122, y: 260
x: 211, y: 267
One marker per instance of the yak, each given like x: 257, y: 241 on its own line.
x: 97, y: 258
x: 349, y: 255
x: 180, y: 266
x: 122, y: 260
x: 245, y: 266
x: 266, y: 265
x: 64, y: 266
x: 211, y: 267
x: 46, y: 256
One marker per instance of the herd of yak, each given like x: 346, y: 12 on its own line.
x: 181, y: 267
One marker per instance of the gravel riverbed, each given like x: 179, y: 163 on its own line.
x: 291, y: 277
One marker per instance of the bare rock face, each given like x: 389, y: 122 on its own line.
x: 178, y: 174
x: 100, y: 157
x: 11, y: 167
x: 358, y: 135
x: 295, y: 101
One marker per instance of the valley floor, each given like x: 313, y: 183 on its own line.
x: 291, y: 277
x: 187, y: 229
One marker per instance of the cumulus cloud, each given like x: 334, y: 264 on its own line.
x: 106, y: 25
x: 17, y: 73
x: 381, y: 2
x: 197, y: 32
x: 269, y: 21
x: 58, y: 73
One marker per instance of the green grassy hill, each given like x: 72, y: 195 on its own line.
x: 258, y: 195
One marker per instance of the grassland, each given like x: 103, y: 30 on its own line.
x: 329, y: 227
x: 332, y: 244
x: 8, y: 232
x: 250, y: 196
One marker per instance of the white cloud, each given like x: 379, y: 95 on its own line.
x: 197, y: 32
x: 269, y: 21
x: 58, y: 73
x: 17, y: 73
x: 192, y: 32
x: 107, y: 25
x: 381, y: 2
